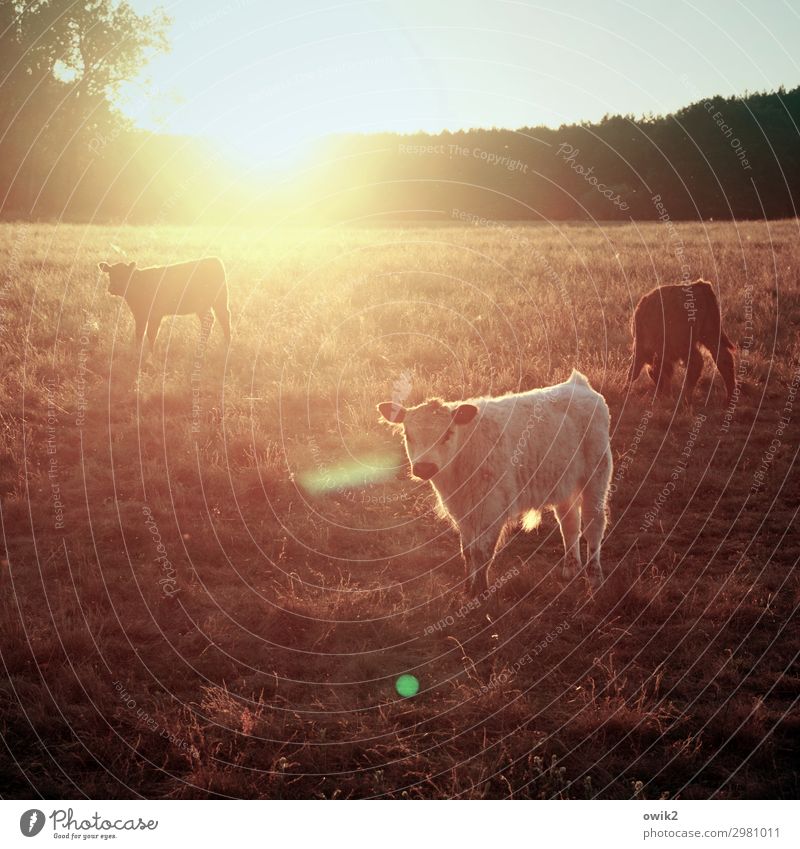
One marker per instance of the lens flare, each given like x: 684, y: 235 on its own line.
x: 359, y: 472
x: 407, y: 686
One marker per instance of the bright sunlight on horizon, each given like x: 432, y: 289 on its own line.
x: 263, y: 86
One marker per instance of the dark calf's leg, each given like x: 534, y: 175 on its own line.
x: 206, y: 324
x: 224, y: 317
x: 152, y: 331
x: 138, y: 339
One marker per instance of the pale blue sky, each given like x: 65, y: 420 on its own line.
x: 265, y: 76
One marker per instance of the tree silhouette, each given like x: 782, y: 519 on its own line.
x: 61, y: 63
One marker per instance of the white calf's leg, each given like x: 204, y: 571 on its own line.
x: 594, y: 518
x: 478, y: 547
x: 569, y: 520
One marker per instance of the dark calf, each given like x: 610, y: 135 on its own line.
x: 670, y: 325
x: 198, y: 287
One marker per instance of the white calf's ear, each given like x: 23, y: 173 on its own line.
x: 104, y: 267
x: 392, y: 412
x: 464, y: 414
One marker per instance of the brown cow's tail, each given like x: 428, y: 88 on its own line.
x: 725, y: 341
x: 638, y: 362
x: 707, y: 327
x: 638, y: 357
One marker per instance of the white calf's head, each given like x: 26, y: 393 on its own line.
x: 433, y: 433
x: 119, y: 275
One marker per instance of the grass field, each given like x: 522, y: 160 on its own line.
x: 213, y: 576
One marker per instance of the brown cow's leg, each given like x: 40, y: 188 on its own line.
x: 694, y: 368
x: 662, y: 375
x: 653, y: 368
x: 723, y: 357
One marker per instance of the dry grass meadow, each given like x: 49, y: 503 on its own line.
x: 302, y: 570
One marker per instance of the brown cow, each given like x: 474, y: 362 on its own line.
x: 198, y: 286
x: 669, y: 325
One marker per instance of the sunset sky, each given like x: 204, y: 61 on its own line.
x: 263, y: 78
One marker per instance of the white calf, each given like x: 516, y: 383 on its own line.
x: 494, y: 461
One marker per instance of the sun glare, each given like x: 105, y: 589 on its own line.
x: 266, y: 103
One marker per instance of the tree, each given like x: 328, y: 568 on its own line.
x: 61, y: 64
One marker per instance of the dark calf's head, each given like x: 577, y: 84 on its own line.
x: 433, y: 433
x: 119, y: 275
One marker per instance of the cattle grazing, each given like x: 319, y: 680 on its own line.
x: 198, y: 286
x: 495, y: 461
x: 670, y: 324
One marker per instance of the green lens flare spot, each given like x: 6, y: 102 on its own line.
x: 407, y: 686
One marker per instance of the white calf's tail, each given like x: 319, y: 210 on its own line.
x: 580, y: 379
x: 531, y: 520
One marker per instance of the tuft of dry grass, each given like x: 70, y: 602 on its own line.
x: 182, y: 617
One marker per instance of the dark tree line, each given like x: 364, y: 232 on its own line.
x: 65, y: 152
x: 718, y: 158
